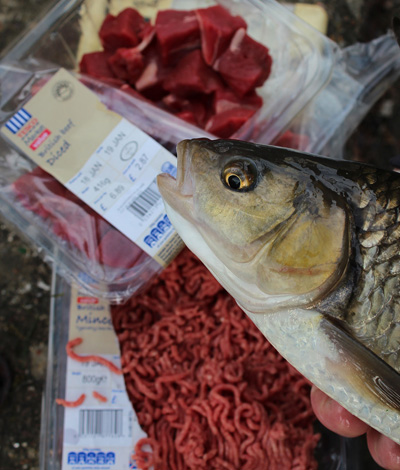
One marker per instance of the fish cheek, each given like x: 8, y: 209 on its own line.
x: 309, y: 256
x: 235, y: 223
x: 224, y: 226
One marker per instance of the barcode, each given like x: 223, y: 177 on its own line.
x: 105, y: 423
x: 141, y: 205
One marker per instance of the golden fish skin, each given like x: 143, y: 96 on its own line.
x: 309, y: 248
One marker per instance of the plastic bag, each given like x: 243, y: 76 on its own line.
x: 89, y: 249
x: 363, y: 72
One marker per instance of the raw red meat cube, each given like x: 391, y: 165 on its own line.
x: 127, y: 64
x: 96, y: 65
x: 131, y: 91
x: 187, y: 116
x: 111, y: 81
x: 124, y: 30
x: 150, y: 82
x: 217, y: 27
x: 147, y: 37
x: 73, y: 221
x: 225, y: 99
x: 292, y: 141
x: 117, y: 251
x: 174, y: 103
x: 245, y: 65
x: 192, y: 75
x: 67, y: 216
x: 176, y: 30
x: 36, y: 183
x: 226, y: 123
x: 34, y: 188
x: 193, y: 110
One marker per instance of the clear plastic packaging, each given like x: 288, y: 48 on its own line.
x: 58, y: 221
x: 302, y: 58
x: 363, y: 72
x: 69, y: 309
x: 52, y: 419
x: 332, y: 453
x: 40, y: 209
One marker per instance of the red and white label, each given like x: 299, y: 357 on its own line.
x: 39, y: 140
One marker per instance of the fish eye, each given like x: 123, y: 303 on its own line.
x: 239, y: 175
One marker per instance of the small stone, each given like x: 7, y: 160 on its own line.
x: 386, y: 108
x: 42, y: 285
x: 38, y: 356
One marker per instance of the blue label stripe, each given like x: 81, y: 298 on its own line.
x: 18, y: 120
x: 11, y: 127
x: 22, y: 112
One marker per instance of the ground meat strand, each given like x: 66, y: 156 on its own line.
x: 71, y: 404
x: 209, y: 390
x: 99, y: 397
x: 100, y: 360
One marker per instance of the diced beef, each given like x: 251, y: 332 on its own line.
x: 245, y: 65
x: 127, y: 64
x: 187, y: 116
x: 75, y: 223
x: 217, y: 27
x: 193, y: 110
x: 131, y: 91
x: 35, y: 188
x: 225, y: 99
x: 36, y: 183
x: 176, y: 31
x: 69, y: 218
x: 150, y: 82
x: 199, y: 65
x: 149, y: 34
x: 113, y: 82
x: 96, y: 65
x: 191, y: 76
x: 117, y: 251
x: 228, y: 122
x: 174, y: 103
x: 292, y: 141
x: 126, y: 29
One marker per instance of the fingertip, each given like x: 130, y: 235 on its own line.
x: 334, y: 417
x: 383, y: 450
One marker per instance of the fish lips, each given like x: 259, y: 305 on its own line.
x: 178, y: 193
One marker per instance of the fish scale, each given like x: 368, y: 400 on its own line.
x: 374, y: 311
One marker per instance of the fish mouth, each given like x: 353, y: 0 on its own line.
x: 178, y: 193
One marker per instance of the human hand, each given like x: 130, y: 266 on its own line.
x: 384, y: 451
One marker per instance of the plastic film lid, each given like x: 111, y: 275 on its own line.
x: 333, y: 452
x: 303, y: 58
x: 56, y: 38
x: 58, y: 222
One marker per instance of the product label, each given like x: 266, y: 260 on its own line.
x: 148, y: 8
x: 98, y: 434
x: 101, y: 157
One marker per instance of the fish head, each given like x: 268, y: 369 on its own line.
x: 262, y: 221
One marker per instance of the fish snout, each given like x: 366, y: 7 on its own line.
x: 177, y: 193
